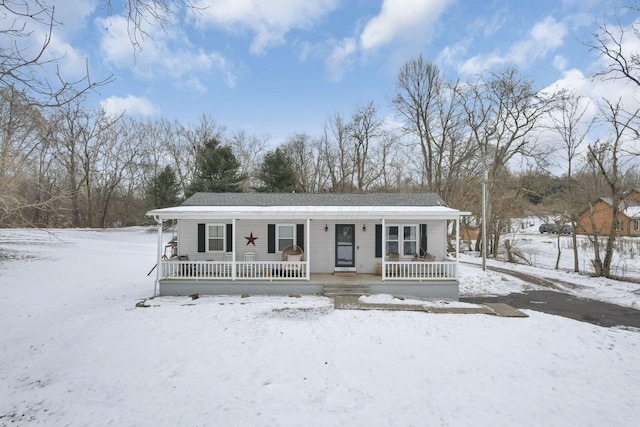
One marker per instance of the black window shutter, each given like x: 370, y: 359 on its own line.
x: 300, y: 235
x: 202, y: 239
x: 423, y: 239
x: 271, y: 238
x: 229, y: 237
x: 378, y: 240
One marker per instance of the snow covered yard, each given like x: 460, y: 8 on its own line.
x: 76, y: 351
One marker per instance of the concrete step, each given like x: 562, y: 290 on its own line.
x: 338, y: 289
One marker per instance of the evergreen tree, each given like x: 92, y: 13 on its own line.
x: 164, y: 189
x: 277, y: 173
x: 217, y: 170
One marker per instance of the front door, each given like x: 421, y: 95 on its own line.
x: 345, y: 245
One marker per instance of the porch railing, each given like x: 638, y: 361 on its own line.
x: 244, y: 270
x: 411, y: 270
x: 294, y: 270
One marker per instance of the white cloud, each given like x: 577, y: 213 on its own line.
x: 339, y: 57
x: 115, y: 42
x: 401, y: 19
x: 132, y: 105
x: 72, y: 14
x: 544, y: 37
x: 166, y: 55
x: 560, y: 62
x: 269, y: 21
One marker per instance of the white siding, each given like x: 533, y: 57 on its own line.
x: 322, y: 244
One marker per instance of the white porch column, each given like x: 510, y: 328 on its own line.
x: 457, y: 246
x: 307, y: 249
x: 233, y: 250
x: 384, y: 246
x: 156, y: 285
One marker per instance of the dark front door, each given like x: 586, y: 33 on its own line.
x: 345, y: 245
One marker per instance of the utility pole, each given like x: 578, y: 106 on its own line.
x: 485, y: 178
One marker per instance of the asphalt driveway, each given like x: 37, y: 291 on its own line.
x: 562, y: 304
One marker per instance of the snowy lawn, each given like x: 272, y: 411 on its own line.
x: 76, y: 351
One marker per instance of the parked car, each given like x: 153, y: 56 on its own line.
x: 548, y: 228
x: 567, y: 229
x: 553, y: 228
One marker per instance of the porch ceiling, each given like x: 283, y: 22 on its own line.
x: 308, y: 212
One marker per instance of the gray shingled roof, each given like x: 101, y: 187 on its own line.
x: 314, y: 199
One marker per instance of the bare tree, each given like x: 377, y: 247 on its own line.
x: 364, y: 131
x: 23, y: 64
x: 393, y: 158
x: 29, y: 73
x: 248, y: 149
x: 617, y: 45
x: 432, y: 111
x: 337, y: 154
x: 502, y: 114
x: 79, y: 148
x: 309, y: 162
x: 570, y: 123
x: 609, y: 160
x: 418, y: 86
x: 612, y: 43
x: 119, y: 152
x: 183, y: 142
x: 141, y: 13
x: 23, y: 144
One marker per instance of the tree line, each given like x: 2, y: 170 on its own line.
x: 66, y: 164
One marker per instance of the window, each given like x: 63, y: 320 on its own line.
x: 408, y: 240
x: 215, y: 237
x: 636, y: 225
x: 285, y: 236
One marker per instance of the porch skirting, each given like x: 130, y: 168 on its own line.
x: 203, y: 287
x: 445, y: 289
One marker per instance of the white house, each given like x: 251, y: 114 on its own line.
x: 266, y: 243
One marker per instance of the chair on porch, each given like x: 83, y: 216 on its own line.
x: 247, y: 269
x: 424, y: 257
x: 292, y: 253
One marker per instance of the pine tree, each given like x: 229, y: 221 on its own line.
x: 217, y: 170
x: 277, y: 174
x: 164, y: 189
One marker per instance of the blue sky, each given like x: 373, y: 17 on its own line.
x: 276, y: 67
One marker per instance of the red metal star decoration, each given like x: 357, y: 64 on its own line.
x: 251, y: 239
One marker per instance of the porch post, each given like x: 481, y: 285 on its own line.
x: 457, y: 245
x: 307, y: 249
x: 384, y: 246
x: 156, y: 285
x: 233, y: 250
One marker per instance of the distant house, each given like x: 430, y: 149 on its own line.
x: 597, y: 219
x: 264, y: 243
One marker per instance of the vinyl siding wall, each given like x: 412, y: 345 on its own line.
x: 322, y: 246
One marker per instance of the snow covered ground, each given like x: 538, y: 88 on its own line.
x: 76, y: 351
